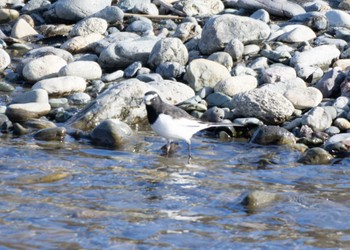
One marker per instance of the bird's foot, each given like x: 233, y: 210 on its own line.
x: 169, y: 149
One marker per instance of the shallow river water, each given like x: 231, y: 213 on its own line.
x: 72, y: 195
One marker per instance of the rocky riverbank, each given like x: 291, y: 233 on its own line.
x: 82, y: 66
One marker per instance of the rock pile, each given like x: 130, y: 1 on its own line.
x: 277, y: 63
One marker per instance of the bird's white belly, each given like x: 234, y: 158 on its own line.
x: 176, y: 129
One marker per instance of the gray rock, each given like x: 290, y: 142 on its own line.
x: 219, y: 30
x: 318, y: 119
x: 267, y: 135
x: 58, y: 102
x: 236, y: 84
x: 132, y: 69
x: 268, y: 106
x: 142, y: 27
x: 214, y: 114
x: 329, y: 84
x: 89, y: 26
x: 128, y: 5
x: 316, y: 156
x: 6, y: 87
x: 51, y: 134
x: 345, y: 88
x: 113, y: 76
x: 168, y: 50
x: 37, y: 95
x: 342, y: 123
x: 294, y: 34
x: 124, y: 101
x: 170, y: 70
x: 320, y: 56
x: 205, y: 73
x: 338, y: 18
x: 261, y: 15
x: 278, y: 8
x: 341, y: 44
x: 48, y: 50
x: 204, y: 92
x: 112, y: 14
x: 63, y: 85
x: 20, y: 112
x: 342, y: 102
x: 5, y: 60
x: 283, y: 86
x: 303, y: 98
x: 102, y: 44
x: 315, y: 20
x: 235, y: 48
x: 218, y: 99
x: 88, y: 70
x: 145, y: 7
x: 81, y: 44
x: 187, y: 30
x: 332, y: 130
x: 223, y: 58
x: 43, y: 67
x: 310, y: 74
x: 278, y: 72
x: 74, y: 10
x: 276, y: 56
x: 122, y: 54
x: 79, y: 99
x: 200, y: 8
x: 258, y: 199
x: 251, y: 50
x: 149, y: 77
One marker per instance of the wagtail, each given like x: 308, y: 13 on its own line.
x: 173, y: 123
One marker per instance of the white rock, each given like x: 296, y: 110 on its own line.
x: 62, y: 85
x: 88, y: 70
x: 338, y: 18
x: 80, y: 44
x: 43, y: 67
x: 303, y: 98
x: 278, y: 72
x: 236, y: 84
x: 89, y: 26
x: 5, y: 60
x: 205, y: 73
x: 22, y: 29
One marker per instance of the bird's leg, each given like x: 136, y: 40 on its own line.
x: 168, y: 147
x: 189, y: 152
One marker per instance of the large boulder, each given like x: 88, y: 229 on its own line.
x: 220, y: 30
x: 268, y: 106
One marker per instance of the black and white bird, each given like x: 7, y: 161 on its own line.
x: 173, y: 123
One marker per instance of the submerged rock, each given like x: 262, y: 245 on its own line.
x: 50, y: 134
x: 267, y: 135
x: 111, y: 133
x: 316, y: 156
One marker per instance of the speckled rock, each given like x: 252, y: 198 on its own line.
x: 278, y: 72
x: 168, y: 50
x: 268, y: 106
x: 219, y: 30
x: 89, y: 26
x: 63, y: 85
x: 205, y: 73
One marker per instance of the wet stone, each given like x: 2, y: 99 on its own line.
x: 50, y: 134
x: 316, y: 156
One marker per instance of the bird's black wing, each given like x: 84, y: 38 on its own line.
x: 176, y: 112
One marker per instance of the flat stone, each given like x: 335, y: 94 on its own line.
x: 88, y: 70
x: 21, y: 112
x: 63, y: 85
x: 236, y: 84
x: 21, y: 29
x: 303, y: 98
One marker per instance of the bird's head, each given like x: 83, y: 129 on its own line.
x: 151, y: 97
